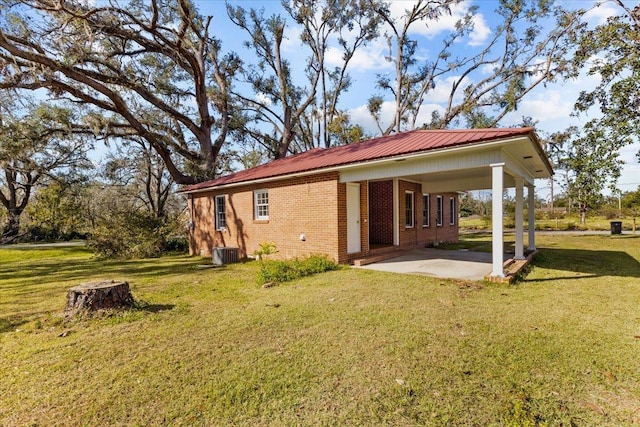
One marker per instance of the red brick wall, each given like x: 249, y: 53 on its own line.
x: 342, y: 221
x: 381, y: 212
x: 419, y: 235
x: 315, y: 206
x: 435, y: 233
x: 304, y: 205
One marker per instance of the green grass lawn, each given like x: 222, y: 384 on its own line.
x: 349, y: 347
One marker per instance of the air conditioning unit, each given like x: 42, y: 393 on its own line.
x: 222, y: 256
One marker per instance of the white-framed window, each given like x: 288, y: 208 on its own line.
x: 408, y: 209
x: 221, y: 213
x: 261, y: 204
x: 425, y: 210
x: 439, y: 209
x: 452, y: 211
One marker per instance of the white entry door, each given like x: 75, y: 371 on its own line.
x: 353, y: 218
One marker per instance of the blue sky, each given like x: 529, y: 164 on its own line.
x: 551, y: 106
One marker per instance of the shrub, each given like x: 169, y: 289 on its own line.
x: 273, y: 271
x: 609, y: 213
x: 541, y: 215
x: 179, y: 244
x: 43, y: 234
x: 558, y: 213
x: 266, y: 248
x: 131, y: 235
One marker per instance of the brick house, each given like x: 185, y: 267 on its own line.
x: 384, y: 194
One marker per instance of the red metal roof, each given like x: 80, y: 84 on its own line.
x: 410, y: 142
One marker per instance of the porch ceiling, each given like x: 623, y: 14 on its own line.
x: 458, y: 180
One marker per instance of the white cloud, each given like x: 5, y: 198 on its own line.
x: 361, y: 116
x: 440, y: 94
x: 372, y: 56
x: 487, y: 69
x: 552, y: 105
x: 481, y: 31
x: 263, y: 98
x: 447, y: 22
x: 424, y: 115
x: 550, y: 108
x: 630, y: 151
x: 333, y: 56
x: 400, y: 8
x: 630, y: 179
x: 598, y: 15
x: 546, y: 106
x: 291, y: 38
x: 369, y: 57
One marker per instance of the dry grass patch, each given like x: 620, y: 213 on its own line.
x: 355, y: 347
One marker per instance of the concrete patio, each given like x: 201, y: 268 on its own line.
x: 458, y: 264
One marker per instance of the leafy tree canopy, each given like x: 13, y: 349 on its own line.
x: 529, y: 46
x: 149, y: 69
x: 612, y: 52
x: 37, y: 141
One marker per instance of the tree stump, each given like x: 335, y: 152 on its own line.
x: 94, y: 296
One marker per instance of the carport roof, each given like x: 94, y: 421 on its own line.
x: 390, y: 146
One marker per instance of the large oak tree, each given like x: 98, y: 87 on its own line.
x: 37, y: 141
x: 150, y: 69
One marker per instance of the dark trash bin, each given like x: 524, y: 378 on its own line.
x: 616, y: 227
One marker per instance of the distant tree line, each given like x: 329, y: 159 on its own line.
x: 617, y: 205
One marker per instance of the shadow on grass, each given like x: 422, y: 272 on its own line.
x: 154, y: 308
x: 12, y: 323
x: 9, y: 325
x: 589, y: 263
x: 68, y: 270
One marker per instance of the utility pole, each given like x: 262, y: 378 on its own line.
x: 620, y: 203
x: 551, y: 179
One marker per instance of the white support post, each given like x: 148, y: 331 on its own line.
x: 531, y: 196
x: 519, y: 218
x: 396, y: 212
x: 497, y: 234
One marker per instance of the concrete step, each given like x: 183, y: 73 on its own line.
x: 377, y: 258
